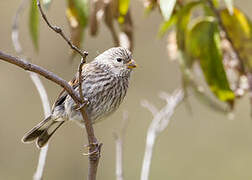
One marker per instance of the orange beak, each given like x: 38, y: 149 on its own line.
x: 132, y: 64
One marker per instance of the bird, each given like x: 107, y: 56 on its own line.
x: 105, y: 81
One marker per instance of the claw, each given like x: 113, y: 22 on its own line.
x: 96, y: 151
x: 85, y: 102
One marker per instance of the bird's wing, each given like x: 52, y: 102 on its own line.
x: 74, y: 83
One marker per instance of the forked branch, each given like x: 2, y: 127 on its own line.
x: 161, y: 120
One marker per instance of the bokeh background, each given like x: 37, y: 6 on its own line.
x: 202, y: 145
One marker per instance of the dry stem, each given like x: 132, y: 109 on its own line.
x: 119, y: 137
x: 159, y: 123
x: 15, y: 30
x: 94, y: 146
x: 38, y: 175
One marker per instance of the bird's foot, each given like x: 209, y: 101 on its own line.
x: 94, y: 150
x: 85, y: 102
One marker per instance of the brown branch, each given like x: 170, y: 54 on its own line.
x: 83, y: 61
x: 94, y: 146
x: 41, y: 71
x: 60, y: 31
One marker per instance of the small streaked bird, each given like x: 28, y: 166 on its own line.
x: 104, y: 84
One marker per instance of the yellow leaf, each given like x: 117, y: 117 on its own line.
x: 238, y: 28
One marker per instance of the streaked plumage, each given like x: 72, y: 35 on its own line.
x: 105, y: 83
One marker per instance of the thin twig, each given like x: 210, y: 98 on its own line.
x: 159, y: 123
x: 119, y: 137
x: 83, y: 61
x: 15, y: 27
x: 59, y: 31
x: 38, y: 175
x: 94, y: 146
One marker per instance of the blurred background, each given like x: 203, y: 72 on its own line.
x: 198, y: 145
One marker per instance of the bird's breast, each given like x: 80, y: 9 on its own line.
x: 105, y: 95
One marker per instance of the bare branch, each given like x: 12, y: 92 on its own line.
x: 38, y: 175
x: 119, y: 158
x: 43, y: 72
x: 83, y: 61
x: 42, y: 93
x: 119, y: 137
x: 59, y: 31
x: 159, y: 123
x: 15, y: 25
x: 93, y: 144
x: 150, y: 107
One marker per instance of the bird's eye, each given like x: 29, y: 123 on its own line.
x: 119, y: 59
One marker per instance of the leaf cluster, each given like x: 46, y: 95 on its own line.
x: 216, y: 38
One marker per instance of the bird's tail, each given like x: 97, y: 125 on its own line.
x: 42, y: 131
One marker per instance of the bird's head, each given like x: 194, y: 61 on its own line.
x: 117, y: 60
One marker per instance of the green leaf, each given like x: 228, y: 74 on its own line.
x: 189, y: 82
x: 34, y: 23
x: 203, y: 42
x: 183, y: 19
x: 184, y: 16
x: 167, y: 7
x: 230, y: 6
x: 123, y: 9
x: 164, y: 27
x: 239, y: 30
